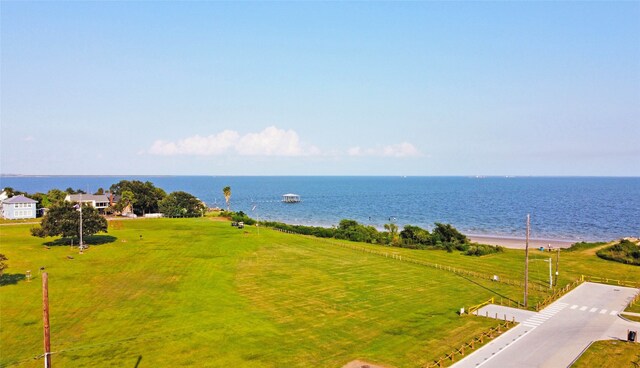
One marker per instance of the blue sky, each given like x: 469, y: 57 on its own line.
x: 320, y: 88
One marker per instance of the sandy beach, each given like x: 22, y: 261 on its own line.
x: 519, y: 243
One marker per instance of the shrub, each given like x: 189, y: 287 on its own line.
x: 582, y: 246
x: 483, y: 249
x: 241, y: 217
x: 624, y: 251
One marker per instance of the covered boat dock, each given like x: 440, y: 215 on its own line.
x: 291, y: 198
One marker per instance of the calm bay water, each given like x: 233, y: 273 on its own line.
x: 560, y: 208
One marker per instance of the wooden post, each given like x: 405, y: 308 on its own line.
x: 45, y: 318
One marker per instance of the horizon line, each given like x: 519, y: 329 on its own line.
x: 475, y: 176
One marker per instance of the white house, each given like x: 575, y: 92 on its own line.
x: 19, y: 207
x: 97, y: 201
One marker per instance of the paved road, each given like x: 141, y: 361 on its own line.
x: 558, y: 334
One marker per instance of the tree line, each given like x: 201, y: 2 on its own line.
x: 62, y: 218
x: 140, y: 197
x: 443, y: 236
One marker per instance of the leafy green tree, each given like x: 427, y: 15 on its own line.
x: 181, y: 204
x: 415, y: 235
x: 146, y: 195
x: 352, y: 230
x: 64, y: 220
x: 54, y: 196
x: 77, y: 191
x: 446, y: 233
x: 10, y: 191
x: 227, y: 196
x: 99, y: 191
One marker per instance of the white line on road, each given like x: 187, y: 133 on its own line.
x: 512, y: 342
x: 593, y: 310
x: 613, y: 313
x: 583, y: 308
x: 603, y: 311
x: 539, y: 318
x: 574, y: 306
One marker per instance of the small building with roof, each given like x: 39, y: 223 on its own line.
x: 291, y: 198
x: 97, y: 201
x: 19, y: 207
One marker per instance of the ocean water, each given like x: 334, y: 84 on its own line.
x: 567, y: 208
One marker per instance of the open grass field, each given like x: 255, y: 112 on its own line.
x: 610, y: 354
x: 198, y: 292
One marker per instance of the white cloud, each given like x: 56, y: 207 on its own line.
x: 28, y: 138
x: 269, y: 142
x: 400, y: 150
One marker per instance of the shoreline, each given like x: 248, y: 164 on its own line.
x: 519, y: 243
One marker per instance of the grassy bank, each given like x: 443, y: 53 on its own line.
x: 198, y: 292
x: 610, y: 354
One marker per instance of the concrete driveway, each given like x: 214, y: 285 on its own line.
x: 558, y: 334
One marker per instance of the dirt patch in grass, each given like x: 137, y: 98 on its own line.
x: 363, y: 364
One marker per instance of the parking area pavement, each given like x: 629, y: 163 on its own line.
x: 505, y: 313
x: 558, y: 334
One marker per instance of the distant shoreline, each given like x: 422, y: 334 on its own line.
x: 519, y: 243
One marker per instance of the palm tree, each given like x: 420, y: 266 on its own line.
x: 126, y: 201
x: 227, y: 195
x: 393, y: 231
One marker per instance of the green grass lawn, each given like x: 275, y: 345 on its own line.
x: 20, y: 221
x: 634, y: 307
x: 610, y: 354
x: 198, y: 292
x: 632, y: 318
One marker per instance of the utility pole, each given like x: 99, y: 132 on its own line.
x: 81, y: 244
x: 555, y: 282
x: 526, y: 266
x: 45, y: 318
